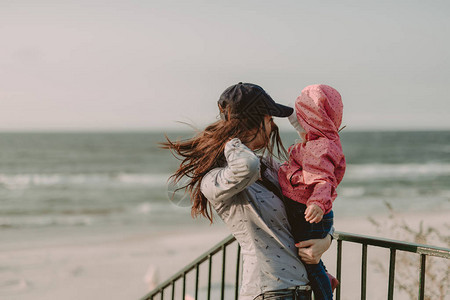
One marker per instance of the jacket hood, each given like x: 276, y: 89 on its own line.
x: 319, y: 111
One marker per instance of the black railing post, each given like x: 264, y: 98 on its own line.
x: 209, y: 276
x: 173, y: 290
x: 238, y: 264
x: 338, y: 268
x: 224, y: 256
x: 423, y: 258
x: 197, y: 273
x: 364, y: 272
x: 391, y: 275
x: 184, y: 286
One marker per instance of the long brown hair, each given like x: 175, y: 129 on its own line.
x: 204, y: 152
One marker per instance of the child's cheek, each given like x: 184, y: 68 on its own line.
x: 303, y: 136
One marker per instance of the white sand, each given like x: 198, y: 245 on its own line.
x: 113, y: 263
x: 108, y: 263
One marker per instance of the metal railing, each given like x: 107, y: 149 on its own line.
x: 393, y: 246
x: 207, y: 258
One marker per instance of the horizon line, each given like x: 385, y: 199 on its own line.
x: 173, y: 130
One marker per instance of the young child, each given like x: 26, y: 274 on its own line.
x: 316, y: 166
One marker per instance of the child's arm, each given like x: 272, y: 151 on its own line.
x: 318, y: 173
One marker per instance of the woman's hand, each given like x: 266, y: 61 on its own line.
x: 311, y: 251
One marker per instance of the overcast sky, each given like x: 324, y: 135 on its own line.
x: 98, y: 65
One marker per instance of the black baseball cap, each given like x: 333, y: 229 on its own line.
x: 248, y: 98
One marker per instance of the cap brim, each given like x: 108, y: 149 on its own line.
x: 281, y: 111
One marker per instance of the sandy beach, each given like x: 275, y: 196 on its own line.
x: 112, y: 263
x: 97, y: 224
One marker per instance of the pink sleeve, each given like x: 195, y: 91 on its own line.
x: 319, y: 161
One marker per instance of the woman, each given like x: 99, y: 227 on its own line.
x: 227, y: 175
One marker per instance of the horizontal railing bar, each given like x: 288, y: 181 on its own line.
x: 202, y: 258
x: 398, y: 245
x: 444, y: 253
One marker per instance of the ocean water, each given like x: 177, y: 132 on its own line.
x: 70, y: 179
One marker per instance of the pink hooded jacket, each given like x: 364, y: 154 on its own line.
x: 317, y: 165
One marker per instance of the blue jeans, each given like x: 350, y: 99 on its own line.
x: 302, y: 230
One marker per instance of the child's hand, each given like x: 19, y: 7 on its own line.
x: 313, y: 213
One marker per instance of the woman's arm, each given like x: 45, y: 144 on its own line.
x: 242, y: 170
x: 311, y: 251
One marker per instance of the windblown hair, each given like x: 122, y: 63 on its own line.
x: 205, y: 151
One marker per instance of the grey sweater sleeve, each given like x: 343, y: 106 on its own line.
x: 242, y: 170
